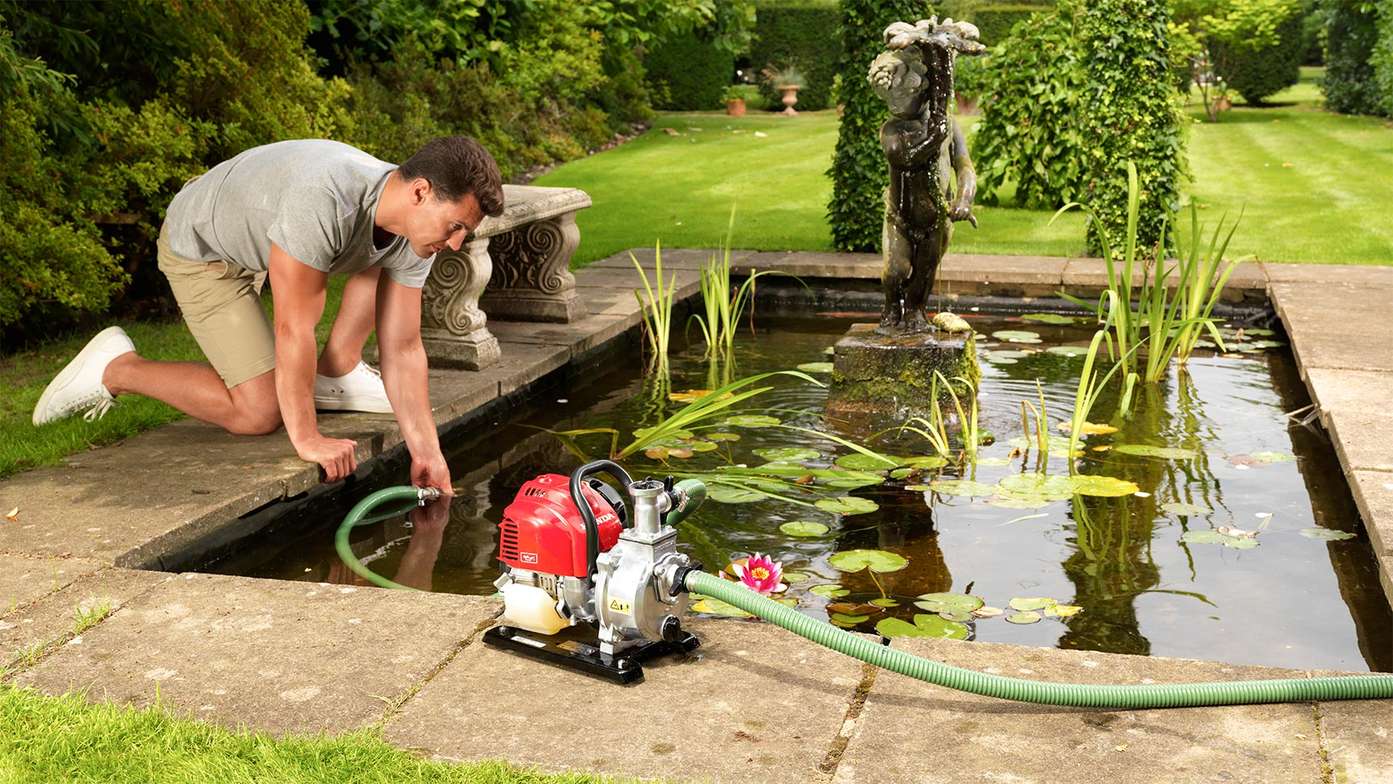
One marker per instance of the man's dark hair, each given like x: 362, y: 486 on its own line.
x: 456, y: 166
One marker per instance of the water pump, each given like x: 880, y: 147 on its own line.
x: 592, y: 582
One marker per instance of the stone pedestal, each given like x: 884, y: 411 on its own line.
x: 880, y: 380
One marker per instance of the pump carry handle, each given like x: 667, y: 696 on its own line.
x: 592, y: 529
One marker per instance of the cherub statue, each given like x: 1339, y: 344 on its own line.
x: 926, y: 151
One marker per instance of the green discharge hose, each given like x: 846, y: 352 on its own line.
x: 1169, y: 695
x: 358, y: 516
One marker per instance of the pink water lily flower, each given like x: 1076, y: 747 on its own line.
x: 761, y: 574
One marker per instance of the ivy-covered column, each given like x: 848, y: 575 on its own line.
x: 858, y: 169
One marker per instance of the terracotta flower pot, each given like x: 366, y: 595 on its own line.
x: 790, y: 97
x: 735, y: 107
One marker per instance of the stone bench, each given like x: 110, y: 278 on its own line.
x: 514, y: 267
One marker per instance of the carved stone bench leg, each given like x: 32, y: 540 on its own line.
x: 532, y: 278
x: 453, y: 328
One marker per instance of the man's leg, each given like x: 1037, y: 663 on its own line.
x: 355, y: 321
x: 250, y: 408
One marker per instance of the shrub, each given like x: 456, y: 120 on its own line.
x: 1131, y: 112
x: 859, y: 172
x: 1030, y: 132
x: 1381, y: 60
x: 995, y: 21
x: 1255, y: 46
x: 687, y: 71
x: 800, y: 33
x: 1350, y: 35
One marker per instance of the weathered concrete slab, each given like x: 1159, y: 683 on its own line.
x: 759, y: 705
x: 673, y: 259
x: 25, y: 580
x: 1325, y: 274
x: 607, y: 300
x: 687, y: 280
x: 1373, y: 494
x: 279, y: 656
x: 126, y: 503
x: 523, y: 363
x: 1363, y: 438
x: 808, y: 264
x: 909, y: 731
x: 1089, y: 276
x: 1022, y: 276
x: 1337, y: 325
x: 577, y: 337
x: 1333, y: 388
x: 53, y: 619
x: 1356, y: 736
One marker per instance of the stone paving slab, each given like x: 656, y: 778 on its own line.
x: 1337, y: 325
x: 575, y: 338
x: 607, y: 300
x: 273, y: 655
x: 53, y: 619
x: 909, y: 731
x: 1373, y: 494
x: 1016, y: 276
x: 759, y: 705
x: 673, y: 259
x: 24, y: 580
x: 1363, y: 438
x: 124, y: 503
x: 1324, y: 274
x: 813, y: 264
x: 1356, y: 736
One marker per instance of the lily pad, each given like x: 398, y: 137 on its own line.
x: 1186, y: 509
x: 960, y: 617
x: 1063, y: 610
x: 787, y: 454
x: 722, y: 436
x: 859, y: 462
x: 1051, y: 488
x: 901, y: 473
x: 1087, y: 428
x: 1216, y: 537
x: 924, y: 626
x: 698, y: 445
x: 644, y: 432
x: 1325, y: 534
x: 1147, y: 450
x: 1017, y: 501
x: 1047, y: 318
x: 885, y: 603
x: 1017, y: 336
x: 1272, y: 457
x: 847, y: 505
x: 1024, y: 617
x: 1004, y: 356
x: 1067, y: 351
x: 816, y: 367
x: 987, y: 612
x: 847, y: 480
x: 713, y: 606
x: 925, y: 462
x: 752, y: 420
x: 829, y: 590
x: 1028, y: 603
x: 796, y: 577
x: 852, y: 608
x: 1106, y: 486
x: 948, y: 602
x: 876, y: 560
x: 848, y: 620
x: 805, y: 528
x: 725, y: 494
x: 962, y: 487
x: 1058, y: 444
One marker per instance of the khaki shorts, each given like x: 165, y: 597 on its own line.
x: 221, y: 303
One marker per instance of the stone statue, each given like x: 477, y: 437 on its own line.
x: 924, y: 147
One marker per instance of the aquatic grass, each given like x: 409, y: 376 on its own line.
x: 1167, y: 327
x: 723, y: 303
x: 657, y: 310
x: 934, y: 429
x: 1089, y: 388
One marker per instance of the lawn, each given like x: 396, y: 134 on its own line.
x: 1312, y: 185
x: 1303, y: 178
x: 65, y: 739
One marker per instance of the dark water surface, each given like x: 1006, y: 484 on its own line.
x: 1291, y: 601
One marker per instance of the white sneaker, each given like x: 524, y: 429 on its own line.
x: 78, y: 386
x: 360, y: 390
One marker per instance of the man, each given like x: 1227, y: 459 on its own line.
x: 298, y: 211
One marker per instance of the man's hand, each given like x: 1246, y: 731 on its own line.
x: 334, y: 454
x: 431, y: 472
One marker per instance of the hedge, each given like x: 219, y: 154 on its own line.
x: 1256, y: 73
x: 802, y: 33
x: 1350, y: 34
x: 1381, y: 60
x: 688, y: 72
x: 859, y: 171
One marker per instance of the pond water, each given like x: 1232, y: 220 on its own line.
x: 1147, y: 570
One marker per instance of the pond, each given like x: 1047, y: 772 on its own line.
x: 1239, y: 543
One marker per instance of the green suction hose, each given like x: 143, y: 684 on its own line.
x: 358, y: 516
x: 1177, y: 695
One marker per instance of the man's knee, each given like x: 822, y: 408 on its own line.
x: 256, y: 421
x: 258, y: 409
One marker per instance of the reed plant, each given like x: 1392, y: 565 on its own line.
x: 722, y: 302
x: 1167, y: 327
x: 656, y: 308
x: 934, y: 429
x: 1090, y: 386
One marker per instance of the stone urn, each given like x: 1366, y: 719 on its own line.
x: 789, y: 97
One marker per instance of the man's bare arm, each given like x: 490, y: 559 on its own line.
x: 403, y: 360
x: 298, y: 292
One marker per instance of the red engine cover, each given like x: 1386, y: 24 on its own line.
x: 542, y: 529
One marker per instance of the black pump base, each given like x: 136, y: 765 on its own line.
x: 578, y: 649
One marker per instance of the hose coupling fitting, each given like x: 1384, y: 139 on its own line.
x: 428, y: 494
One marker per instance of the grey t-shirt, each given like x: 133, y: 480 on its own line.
x: 316, y: 199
